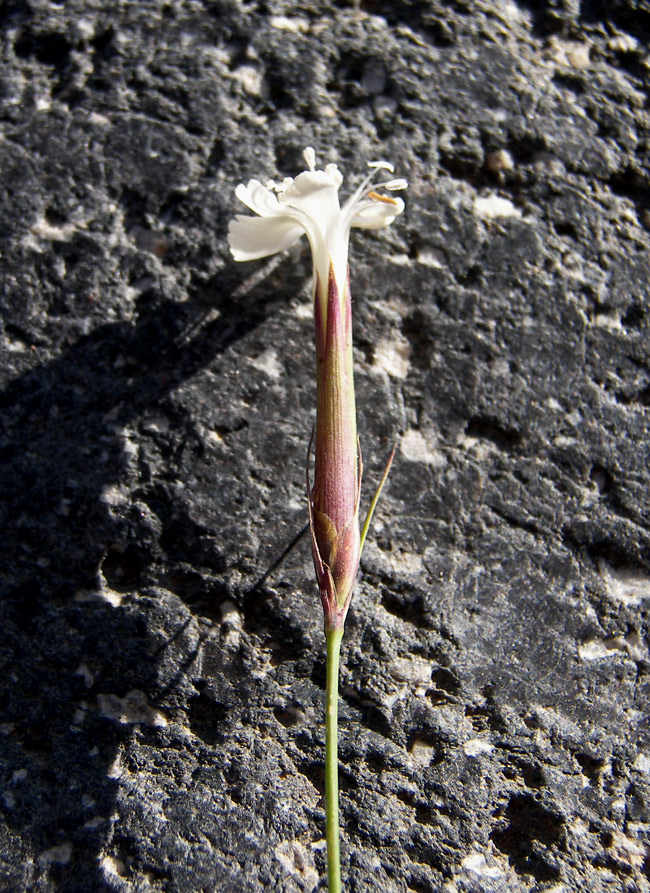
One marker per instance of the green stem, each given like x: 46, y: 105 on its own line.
x: 333, y: 637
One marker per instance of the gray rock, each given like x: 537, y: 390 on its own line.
x: 163, y: 671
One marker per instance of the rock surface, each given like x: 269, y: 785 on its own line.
x: 162, y: 723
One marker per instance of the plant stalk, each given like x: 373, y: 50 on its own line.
x: 333, y: 637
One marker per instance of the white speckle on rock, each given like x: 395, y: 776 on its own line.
x: 510, y: 12
x: 477, y: 746
x: 422, y: 752
x: 500, y: 366
x: 579, y: 827
x: 230, y: 613
x: 499, y: 161
x: 15, y: 344
x: 112, y: 866
x: 642, y: 763
x: 628, y: 850
x: 132, y: 708
x: 400, y: 561
x: 416, y: 448
x: 562, y: 441
x: 115, y: 770
x: 131, y: 449
x: 592, y: 650
x: 293, y: 25
x: 623, y: 43
x: 430, y: 257
x: 595, y: 649
x: 493, y: 206
x: 231, y: 622
x: 268, y: 363
x: 636, y: 646
x: 627, y: 585
x: 213, y: 437
x: 111, y: 596
x: 59, y: 855
x: 299, y: 862
x: 251, y: 79
x: 86, y: 28
x: 102, y: 594
x: 45, y: 230
x: 611, y: 321
x: 481, y: 448
x: 114, y: 495
x: 477, y: 864
x: 570, y: 53
x: 88, y: 678
x: 392, y: 356
x: 99, y: 120
x: 157, y: 424
x: 304, y: 310
x: 412, y: 670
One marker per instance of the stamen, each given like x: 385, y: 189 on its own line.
x: 382, y: 165
x: 365, y: 185
x: 310, y: 157
x: 386, y: 199
x: 368, y: 191
x: 391, y: 185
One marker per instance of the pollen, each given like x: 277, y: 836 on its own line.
x: 386, y: 199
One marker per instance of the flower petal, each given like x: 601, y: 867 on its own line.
x: 258, y: 198
x: 250, y: 238
x: 311, y: 186
x: 372, y: 214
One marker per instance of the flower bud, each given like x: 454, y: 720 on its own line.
x: 334, y: 497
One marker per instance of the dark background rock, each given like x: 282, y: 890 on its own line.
x: 162, y: 695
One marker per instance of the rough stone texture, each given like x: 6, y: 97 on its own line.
x: 162, y: 696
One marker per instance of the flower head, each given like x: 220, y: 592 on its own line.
x: 309, y: 204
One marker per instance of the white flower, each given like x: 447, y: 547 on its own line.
x: 310, y: 204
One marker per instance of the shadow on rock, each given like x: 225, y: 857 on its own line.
x: 66, y: 633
